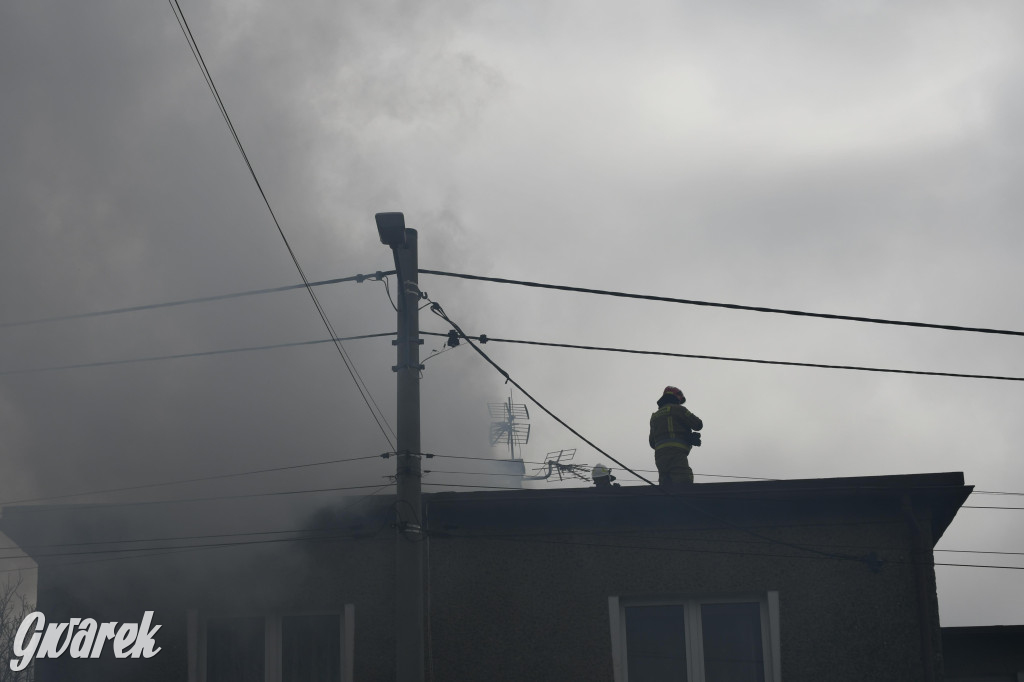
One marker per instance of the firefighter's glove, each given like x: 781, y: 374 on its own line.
x: 695, y: 439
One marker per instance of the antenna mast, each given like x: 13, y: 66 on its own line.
x: 510, y: 426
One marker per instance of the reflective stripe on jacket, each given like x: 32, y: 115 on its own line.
x: 671, y: 426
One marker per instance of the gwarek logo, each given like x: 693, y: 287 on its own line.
x: 81, y: 638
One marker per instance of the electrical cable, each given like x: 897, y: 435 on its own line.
x: 200, y: 547
x: 667, y: 533
x: 544, y: 533
x: 816, y: 554
x: 439, y: 311
x: 313, y: 534
x: 173, y: 538
x: 435, y: 353
x: 487, y: 339
x: 650, y: 534
x: 364, y: 391
x: 318, y: 534
x: 649, y: 471
x: 483, y: 338
x: 339, y: 461
x: 191, y: 548
x: 672, y: 534
x: 179, y: 356
x: 188, y: 301
x: 750, y: 495
x: 469, y: 473
x: 525, y: 283
x: 182, y: 481
x: 387, y: 290
x: 43, y: 509
x: 974, y: 506
x: 731, y: 306
x: 488, y: 473
x: 654, y: 471
x: 473, y: 486
x: 436, y: 308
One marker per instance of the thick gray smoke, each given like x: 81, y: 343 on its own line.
x: 850, y: 157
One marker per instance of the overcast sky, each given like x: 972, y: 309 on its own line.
x: 852, y: 157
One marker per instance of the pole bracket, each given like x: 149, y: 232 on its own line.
x: 405, y: 365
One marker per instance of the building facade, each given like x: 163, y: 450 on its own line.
x: 763, y: 581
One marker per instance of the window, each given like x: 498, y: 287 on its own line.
x: 286, y: 648
x: 696, y: 640
x: 234, y: 649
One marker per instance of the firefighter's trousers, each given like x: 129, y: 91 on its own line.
x: 673, y: 465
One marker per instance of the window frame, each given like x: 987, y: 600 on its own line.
x: 272, y: 641
x: 770, y: 643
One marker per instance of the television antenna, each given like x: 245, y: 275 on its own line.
x: 560, y: 464
x: 510, y: 426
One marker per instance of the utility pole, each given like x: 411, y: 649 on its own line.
x: 409, y: 543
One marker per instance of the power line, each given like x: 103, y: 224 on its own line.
x: 500, y: 538
x: 289, y: 467
x: 187, y: 480
x: 649, y: 471
x: 186, y: 549
x: 483, y: 338
x: 198, y: 354
x: 317, y: 534
x: 206, y: 546
x: 654, y: 471
x: 108, y: 505
x: 974, y: 506
x: 545, y: 533
x: 539, y: 285
x: 672, y: 534
x: 314, y: 533
x: 311, y: 535
x: 816, y: 554
x: 751, y: 494
x: 474, y: 486
x: 646, y: 532
x: 188, y: 301
x: 439, y: 311
x: 501, y: 280
x: 731, y: 306
x: 311, y: 532
x: 364, y: 391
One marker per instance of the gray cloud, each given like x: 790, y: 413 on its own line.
x: 849, y: 157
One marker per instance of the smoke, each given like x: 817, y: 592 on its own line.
x: 857, y: 158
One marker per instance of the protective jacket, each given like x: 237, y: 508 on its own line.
x: 671, y: 426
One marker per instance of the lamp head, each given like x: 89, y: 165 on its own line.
x: 391, y: 228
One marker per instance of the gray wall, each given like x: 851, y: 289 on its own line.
x: 523, y: 609
x: 519, y: 590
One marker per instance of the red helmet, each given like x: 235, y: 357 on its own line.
x: 673, y: 391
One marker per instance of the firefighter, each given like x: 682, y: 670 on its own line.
x: 672, y: 437
x: 602, y: 476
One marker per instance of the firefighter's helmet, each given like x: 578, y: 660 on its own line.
x: 673, y: 391
x: 600, y: 471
